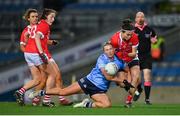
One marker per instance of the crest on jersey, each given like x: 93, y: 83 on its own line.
x: 130, y: 43
x: 147, y: 35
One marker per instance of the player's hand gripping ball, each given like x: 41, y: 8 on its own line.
x: 111, y: 68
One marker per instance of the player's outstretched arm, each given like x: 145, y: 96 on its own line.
x: 53, y: 42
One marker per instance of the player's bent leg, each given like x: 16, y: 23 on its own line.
x: 36, y: 75
x: 19, y: 94
x: 36, y: 101
x: 135, y: 75
x: 59, y: 83
x: 138, y: 91
x: 51, y: 75
x: 70, y: 90
x: 101, y: 100
x: 42, y: 83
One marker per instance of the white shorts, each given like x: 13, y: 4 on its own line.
x: 33, y: 59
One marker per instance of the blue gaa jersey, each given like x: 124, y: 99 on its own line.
x: 96, y: 76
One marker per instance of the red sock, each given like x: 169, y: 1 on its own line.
x: 22, y: 90
x: 47, y: 98
x: 36, y: 99
x: 129, y: 99
x: 61, y: 98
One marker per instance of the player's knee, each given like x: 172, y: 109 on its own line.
x: 58, y: 79
x: 43, y: 83
x: 106, y: 104
x: 37, y: 82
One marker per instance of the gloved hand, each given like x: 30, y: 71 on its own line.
x: 54, y: 42
x: 127, y: 85
x: 44, y: 57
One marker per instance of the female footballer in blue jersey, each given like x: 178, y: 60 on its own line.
x: 95, y: 84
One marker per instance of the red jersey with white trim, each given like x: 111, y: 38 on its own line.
x: 31, y: 45
x: 44, y: 29
x: 124, y: 47
x: 22, y: 38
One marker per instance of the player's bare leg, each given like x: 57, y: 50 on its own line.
x: 135, y: 76
x: 59, y: 83
x: 50, y: 83
x: 36, y: 101
x: 36, y: 75
x: 70, y: 90
x: 100, y: 100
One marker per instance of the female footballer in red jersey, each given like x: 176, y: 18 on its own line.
x: 31, y: 16
x: 126, y: 43
x: 42, y: 41
x: 27, y: 45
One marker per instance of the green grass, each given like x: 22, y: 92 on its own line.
x: 8, y: 108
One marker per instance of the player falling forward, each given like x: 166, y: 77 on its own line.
x: 95, y: 84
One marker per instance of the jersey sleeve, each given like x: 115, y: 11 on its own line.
x: 42, y: 30
x: 153, y: 33
x: 114, y: 40
x: 100, y: 62
x: 135, y: 40
x: 22, y: 37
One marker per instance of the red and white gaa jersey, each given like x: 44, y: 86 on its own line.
x: 124, y: 47
x: 31, y: 44
x: 22, y: 38
x: 44, y: 29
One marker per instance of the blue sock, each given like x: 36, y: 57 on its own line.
x: 89, y: 104
x: 42, y: 92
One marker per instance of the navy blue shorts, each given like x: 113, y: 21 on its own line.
x: 89, y: 88
x: 145, y: 61
x: 133, y: 63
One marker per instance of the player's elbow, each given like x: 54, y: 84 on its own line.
x: 22, y: 49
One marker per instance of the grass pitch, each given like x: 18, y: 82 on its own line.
x: 9, y: 108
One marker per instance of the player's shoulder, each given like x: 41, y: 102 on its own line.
x: 149, y: 27
x: 42, y: 25
x: 116, y: 34
x: 43, y: 22
x: 102, y: 57
x: 25, y: 29
x: 134, y: 36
